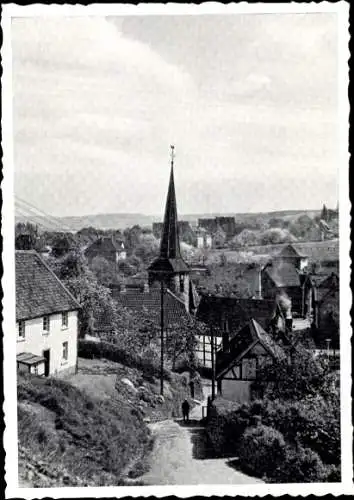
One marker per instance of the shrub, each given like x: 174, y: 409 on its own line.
x: 262, y: 449
x: 301, y: 465
x: 88, y: 436
x: 226, y: 424
x: 148, y: 365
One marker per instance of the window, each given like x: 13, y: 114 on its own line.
x: 181, y: 283
x: 65, y: 351
x: 35, y: 368
x: 46, y: 324
x: 249, y: 368
x: 225, y: 325
x: 64, y: 320
x: 21, y: 330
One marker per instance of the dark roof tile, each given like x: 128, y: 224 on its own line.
x: 137, y: 300
x: 283, y: 274
x: 38, y: 290
x: 211, y: 308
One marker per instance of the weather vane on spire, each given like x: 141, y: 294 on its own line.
x: 172, y: 154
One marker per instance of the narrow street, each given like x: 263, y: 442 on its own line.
x: 180, y: 456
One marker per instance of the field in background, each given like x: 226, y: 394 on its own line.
x: 316, y: 251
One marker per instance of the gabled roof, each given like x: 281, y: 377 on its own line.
x: 38, y: 290
x: 320, y: 250
x: 212, y: 306
x: 250, y: 335
x: 283, y: 274
x: 290, y: 251
x: 138, y: 300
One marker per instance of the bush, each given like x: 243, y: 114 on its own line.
x: 311, y: 426
x: 226, y: 424
x: 91, y: 349
x: 88, y: 436
x: 301, y: 465
x: 262, y: 449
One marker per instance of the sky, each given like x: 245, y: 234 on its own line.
x: 248, y: 100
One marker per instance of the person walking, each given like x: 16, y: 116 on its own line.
x: 185, y: 410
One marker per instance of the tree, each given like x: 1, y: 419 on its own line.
x: 62, y: 244
x: 181, y: 342
x: 95, y: 300
x: 275, y: 236
x: 275, y: 222
x: 25, y: 242
x: 303, y: 377
x: 245, y: 238
x: 132, y: 236
x: 324, y: 213
x: 147, y: 248
x: 26, y: 228
x: 105, y: 272
x: 302, y: 226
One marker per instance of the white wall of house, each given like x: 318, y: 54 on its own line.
x: 200, y: 242
x: 236, y: 390
x: 203, y: 349
x: 304, y: 262
x: 36, y: 340
x: 208, y: 241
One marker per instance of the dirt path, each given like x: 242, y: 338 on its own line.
x: 180, y: 456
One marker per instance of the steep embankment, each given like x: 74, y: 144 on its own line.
x: 68, y: 430
x: 91, y: 429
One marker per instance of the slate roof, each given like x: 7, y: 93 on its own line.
x: 211, y: 308
x: 319, y: 250
x: 170, y: 259
x: 137, y: 300
x: 283, y: 274
x: 251, y: 334
x: 38, y: 290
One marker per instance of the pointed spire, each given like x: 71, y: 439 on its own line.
x: 170, y: 258
x: 170, y: 247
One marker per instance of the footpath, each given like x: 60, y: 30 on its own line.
x: 181, y: 456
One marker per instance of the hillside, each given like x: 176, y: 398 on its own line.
x: 124, y: 220
x: 91, y: 429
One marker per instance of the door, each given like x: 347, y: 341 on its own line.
x: 46, y: 356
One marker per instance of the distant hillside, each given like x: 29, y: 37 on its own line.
x: 124, y: 220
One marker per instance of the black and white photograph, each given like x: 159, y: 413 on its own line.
x: 176, y: 250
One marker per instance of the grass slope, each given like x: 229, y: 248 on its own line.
x: 94, y: 439
x: 92, y: 428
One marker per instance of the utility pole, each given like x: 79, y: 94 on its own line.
x: 162, y: 337
x: 212, y: 363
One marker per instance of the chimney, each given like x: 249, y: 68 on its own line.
x: 259, y: 295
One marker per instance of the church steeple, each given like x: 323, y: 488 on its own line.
x: 169, y: 247
x: 169, y: 266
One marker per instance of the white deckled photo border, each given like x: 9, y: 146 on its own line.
x: 8, y: 280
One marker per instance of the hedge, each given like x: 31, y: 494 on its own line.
x: 91, y: 349
x: 285, y: 441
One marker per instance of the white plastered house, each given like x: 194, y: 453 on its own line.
x: 46, y: 318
